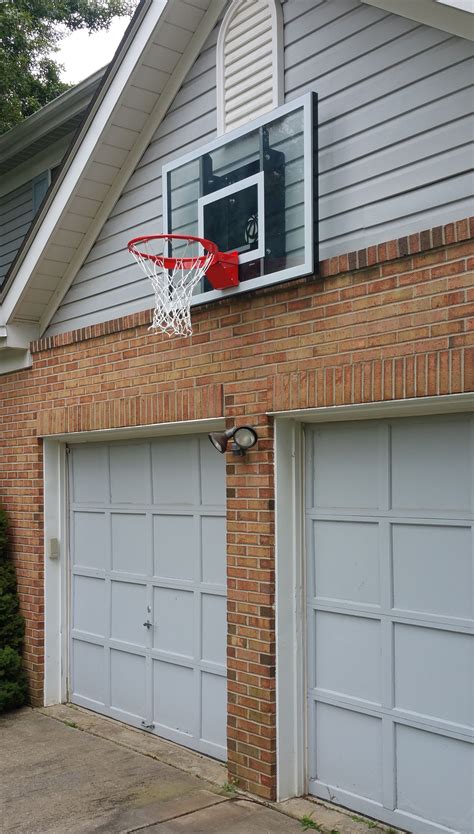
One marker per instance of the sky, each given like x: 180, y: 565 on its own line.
x: 82, y: 54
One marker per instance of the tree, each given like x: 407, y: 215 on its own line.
x: 13, y: 684
x: 30, y: 32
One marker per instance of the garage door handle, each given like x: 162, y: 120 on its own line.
x: 148, y: 624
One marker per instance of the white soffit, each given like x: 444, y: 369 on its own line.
x: 455, y: 17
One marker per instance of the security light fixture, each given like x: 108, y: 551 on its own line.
x: 243, y: 438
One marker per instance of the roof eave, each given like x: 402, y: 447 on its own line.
x: 431, y: 13
x: 58, y: 111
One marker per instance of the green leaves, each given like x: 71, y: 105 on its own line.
x: 13, y: 683
x: 30, y: 31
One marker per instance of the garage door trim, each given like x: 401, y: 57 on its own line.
x: 56, y: 570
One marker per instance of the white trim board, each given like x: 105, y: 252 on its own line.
x: 152, y: 430
x: 292, y: 774
x: 388, y: 408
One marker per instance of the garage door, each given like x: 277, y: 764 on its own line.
x: 390, y: 619
x: 148, y: 587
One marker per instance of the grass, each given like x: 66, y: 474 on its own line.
x: 71, y: 724
x: 229, y: 788
x: 308, y: 824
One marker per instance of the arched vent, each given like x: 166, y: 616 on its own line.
x: 249, y: 62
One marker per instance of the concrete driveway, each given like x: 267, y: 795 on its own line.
x: 57, y: 778
x: 65, y: 770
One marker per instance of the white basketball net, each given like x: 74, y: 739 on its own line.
x: 173, y: 286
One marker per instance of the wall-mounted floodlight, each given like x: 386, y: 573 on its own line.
x: 243, y: 438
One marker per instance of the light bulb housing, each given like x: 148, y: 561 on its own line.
x: 220, y: 439
x: 243, y: 438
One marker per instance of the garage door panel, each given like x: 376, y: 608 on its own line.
x: 174, y: 694
x: 345, y: 466
x: 174, y: 617
x: 176, y: 546
x: 175, y: 471
x: 90, y: 540
x: 390, y: 603
x: 348, y: 751
x: 90, y: 481
x: 213, y: 550
x: 431, y: 467
x: 89, y: 605
x: 128, y: 683
x: 130, y: 481
x: 148, y: 545
x: 89, y: 669
x: 130, y: 543
x: 432, y: 569
x: 214, y: 628
x: 347, y: 655
x: 434, y: 777
x: 128, y: 612
x: 344, y: 571
x: 445, y: 690
x: 214, y: 709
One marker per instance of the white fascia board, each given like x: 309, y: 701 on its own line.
x: 81, y: 154
x: 158, y: 113
x: 431, y: 13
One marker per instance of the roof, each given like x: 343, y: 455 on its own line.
x: 58, y: 118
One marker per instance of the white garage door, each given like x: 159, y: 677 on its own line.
x: 148, y: 587
x: 390, y: 619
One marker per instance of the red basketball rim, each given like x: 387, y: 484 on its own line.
x: 170, y: 263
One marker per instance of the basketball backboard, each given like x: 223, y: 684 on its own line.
x: 253, y: 191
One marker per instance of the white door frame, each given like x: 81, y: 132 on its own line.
x: 291, y: 661
x: 56, y: 555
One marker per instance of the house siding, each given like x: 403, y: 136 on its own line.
x: 389, y: 89
x: 16, y: 214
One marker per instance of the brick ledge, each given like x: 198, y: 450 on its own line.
x: 391, y: 250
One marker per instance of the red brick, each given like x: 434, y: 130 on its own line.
x: 390, y: 321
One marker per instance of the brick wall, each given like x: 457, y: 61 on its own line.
x: 389, y: 322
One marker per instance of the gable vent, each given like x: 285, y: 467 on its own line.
x: 249, y: 62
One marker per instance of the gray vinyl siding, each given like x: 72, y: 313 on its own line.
x: 16, y: 214
x: 395, y: 129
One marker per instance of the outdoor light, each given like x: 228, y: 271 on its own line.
x: 243, y: 438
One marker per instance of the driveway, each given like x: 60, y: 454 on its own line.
x: 57, y: 778
x: 64, y: 770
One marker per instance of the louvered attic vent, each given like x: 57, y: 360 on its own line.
x: 249, y: 62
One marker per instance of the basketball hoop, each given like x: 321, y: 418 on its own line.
x: 174, y: 278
